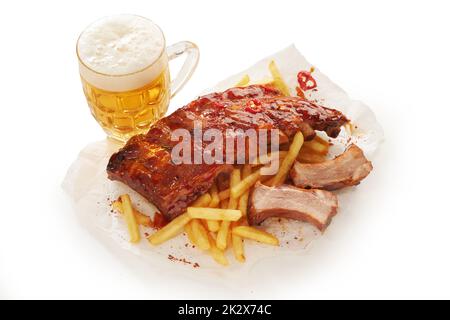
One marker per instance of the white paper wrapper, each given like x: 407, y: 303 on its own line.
x: 87, y: 184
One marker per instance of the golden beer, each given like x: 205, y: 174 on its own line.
x: 125, y: 75
x: 124, y: 114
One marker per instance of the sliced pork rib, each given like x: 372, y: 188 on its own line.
x: 314, y: 206
x: 145, y: 162
x: 347, y: 169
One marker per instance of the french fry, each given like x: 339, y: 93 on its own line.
x: 280, y: 155
x: 243, y: 200
x: 243, y: 204
x: 222, y: 235
x: 314, y: 151
x: 213, y: 225
x: 245, y: 184
x: 350, y: 128
x: 170, y: 230
x: 308, y: 156
x: 278, y: 81
x: 229, y: 240
x: 217, y: 254
x: 317, y: 145
x: 200, y: 234
x: 133, y: 228
x: 224, y: 204
x: 117, y: 205
x: 141, y: 218
x: 215, y: 199
x: 255, y: 234
x: 238, y: 246
x: 246, y: 171
x: 234, y: 181
x: 214, y: 214
x: 321, y: 140
x: 225, y: 194
x: 203, y: 201
x: 190, y: 233
x: 287, y: 163
x: 244, y: 81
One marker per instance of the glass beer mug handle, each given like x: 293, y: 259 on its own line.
x: 189, y: 65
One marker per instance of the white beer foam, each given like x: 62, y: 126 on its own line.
x: 121, y: 52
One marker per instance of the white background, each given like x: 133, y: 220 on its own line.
x: 393, y: 55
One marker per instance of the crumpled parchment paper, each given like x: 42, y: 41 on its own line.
x: 92, y: 193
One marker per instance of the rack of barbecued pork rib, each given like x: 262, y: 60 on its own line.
x: 145, y: 163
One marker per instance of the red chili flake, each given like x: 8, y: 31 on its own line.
x: 306, y: 81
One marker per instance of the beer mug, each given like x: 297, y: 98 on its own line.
x: 123, y: 63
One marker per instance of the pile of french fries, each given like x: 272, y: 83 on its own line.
x: 217, y: 221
